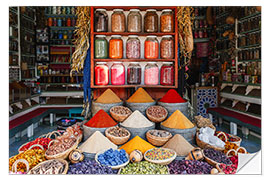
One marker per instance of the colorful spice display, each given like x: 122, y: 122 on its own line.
x: 217, y: 156
x: 137, y: 120
x: 90, y: 167
x: 32, y: 156
x: 96, y: 143
x: 101, y: 120
x: 41, y: 141
x: 232, y: 168
x: 178, y: 121
x: 108, y: 97
x: 172, y: 97
x: 189, y: 167
x: 179, y: 144
x: 140, y: 96
x: 112, y: 157
x: 159, y: 154
x: 144, y: 167
x: 137, y: 143
x: 229, y: 137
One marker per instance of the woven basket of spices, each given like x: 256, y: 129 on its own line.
x: 203, y: 145
x: 156, y: 113
x: 120, y: 113
x: 48, y: 167
x: 67, y: 148
x: 158, y: 137
x: 229, y: 137
x: 140, y: 106
x: 118, y: 135
x: 213, y: 152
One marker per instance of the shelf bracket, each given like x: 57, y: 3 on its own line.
x: 250, y: 88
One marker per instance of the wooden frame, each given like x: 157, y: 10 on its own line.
x: 159, y: 34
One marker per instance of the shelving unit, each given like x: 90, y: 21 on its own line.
x: 141, y: 36
x: 240, y: 65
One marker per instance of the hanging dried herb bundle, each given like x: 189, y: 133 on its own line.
x: 81, y: 42
x: 185, y: 21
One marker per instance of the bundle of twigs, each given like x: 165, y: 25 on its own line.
x: 185, y: 21
x: 81, y: 41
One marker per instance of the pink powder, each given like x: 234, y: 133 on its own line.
x: 151, y: 76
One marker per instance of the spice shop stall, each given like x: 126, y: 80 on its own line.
x: 131, y: 89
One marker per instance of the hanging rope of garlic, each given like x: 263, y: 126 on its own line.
x: 185, y: 17
x: 81, y: 41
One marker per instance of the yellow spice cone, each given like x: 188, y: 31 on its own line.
x: 108, y: 97
x: 140, y: 96
x: 178, y: 121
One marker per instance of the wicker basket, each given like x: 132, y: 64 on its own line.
x: 161, y: 162
x: 155, y: 119
x: 238, y: 143
x: 118, y: 117
x: 168, y: 170
x: 210, y: 161
x: 117, y: 140
x: 34, y: 145
x: 157, y: 141
x: 61, y: 160
x: 53, y: 133
x: 14, y: 165
x: 62, y: 155
x: 204, y: 145
x: 113, y: 167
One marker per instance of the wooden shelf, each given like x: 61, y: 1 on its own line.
x: 250, y: 31
x: 250, y: 60
x: 134, y: 60
x: 127, y: 8
x: 131, y: 33
x: 245, y: 113
x: 133, y: 86
x: 243, y: 98
x: 60, y: 83
x: 246, y: 84
x: 250, y: 46
x: 62, y: 53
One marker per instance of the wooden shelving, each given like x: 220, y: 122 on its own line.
x: 142, y: 34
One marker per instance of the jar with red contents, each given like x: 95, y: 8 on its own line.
x: 101, y: 73
x: 151, y: 74
x: 167, y: 47
x: 117, y: 73
x: 116, y: 47
x: 151, y: 47
x: 167, y: 74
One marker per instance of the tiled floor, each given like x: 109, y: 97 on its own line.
x: 252, y: 144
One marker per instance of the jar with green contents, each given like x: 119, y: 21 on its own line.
x: 101, y: 47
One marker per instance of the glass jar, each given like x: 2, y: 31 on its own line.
x: 151, y: 47
x: 151, y: 21
x: 118, y: 19
x: 101, y: 47
x: 116, y: 47
x: 151, y: 73
x: 166, y: 21
x: 117, y: 74
x: 134, y: 21
x: 101, y: 73
x: 101, y: 20
x: 167, y: 47
x: 167, y: 74
x: 134, y: 73
x: 133, y: 47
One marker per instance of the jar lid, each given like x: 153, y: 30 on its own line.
x: 151, y: 62
x: 167, y: 36
x: 100, y: 9
x: 117, y: 62
x: 152, y: 36
x: 169, y: 10
x: 118, y: 10
x: 100, y: 36
x: 167, y: 62
x: 101, y: 63
x: 133, y: 36
x: 150, y: 10
x: 137, y: 10
x: 116, y: 36
x: 134, y: 62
